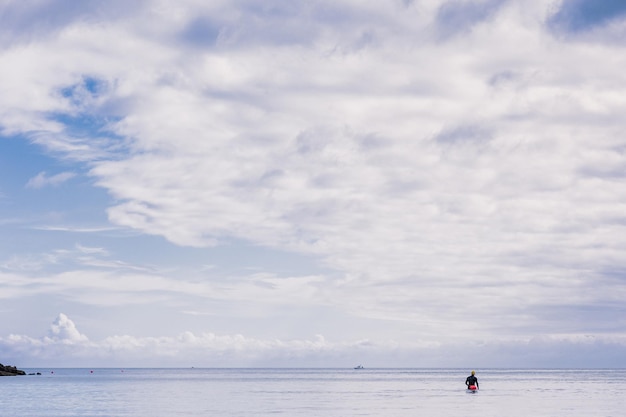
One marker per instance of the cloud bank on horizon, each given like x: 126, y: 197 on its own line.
x: 315, y: 181
x: 66, y: 346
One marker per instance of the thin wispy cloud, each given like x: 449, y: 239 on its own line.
x: 77, y: 229
x: 43, y: 180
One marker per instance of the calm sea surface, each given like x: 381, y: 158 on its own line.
x: 313, y: 392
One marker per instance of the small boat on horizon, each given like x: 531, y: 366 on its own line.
x: 358, y: 367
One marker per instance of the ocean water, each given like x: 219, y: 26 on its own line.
x: 313, y: 392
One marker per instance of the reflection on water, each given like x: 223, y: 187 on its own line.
x: 312, y: 392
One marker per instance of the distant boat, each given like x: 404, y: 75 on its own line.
x: 358, y: 367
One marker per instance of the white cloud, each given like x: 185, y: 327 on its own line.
x: 473, y: 184
x: 42, y: 180
x: 67, y: 345
x: 77, y: 229
x: 63, y: 330
x: 78, y: 257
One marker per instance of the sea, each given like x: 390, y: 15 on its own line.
x: 195, y: 392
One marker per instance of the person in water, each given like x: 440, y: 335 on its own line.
x: 472, y: 381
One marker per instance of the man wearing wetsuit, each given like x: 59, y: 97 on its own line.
x: 471, y: 380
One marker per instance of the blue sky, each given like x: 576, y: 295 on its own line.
x: 325, y: 183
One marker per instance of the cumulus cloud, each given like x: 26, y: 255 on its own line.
x: 63, y: 330
x: 65, y: 344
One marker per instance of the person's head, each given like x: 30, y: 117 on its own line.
x: 473, y: 372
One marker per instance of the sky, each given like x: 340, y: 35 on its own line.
x: 313, y: 183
